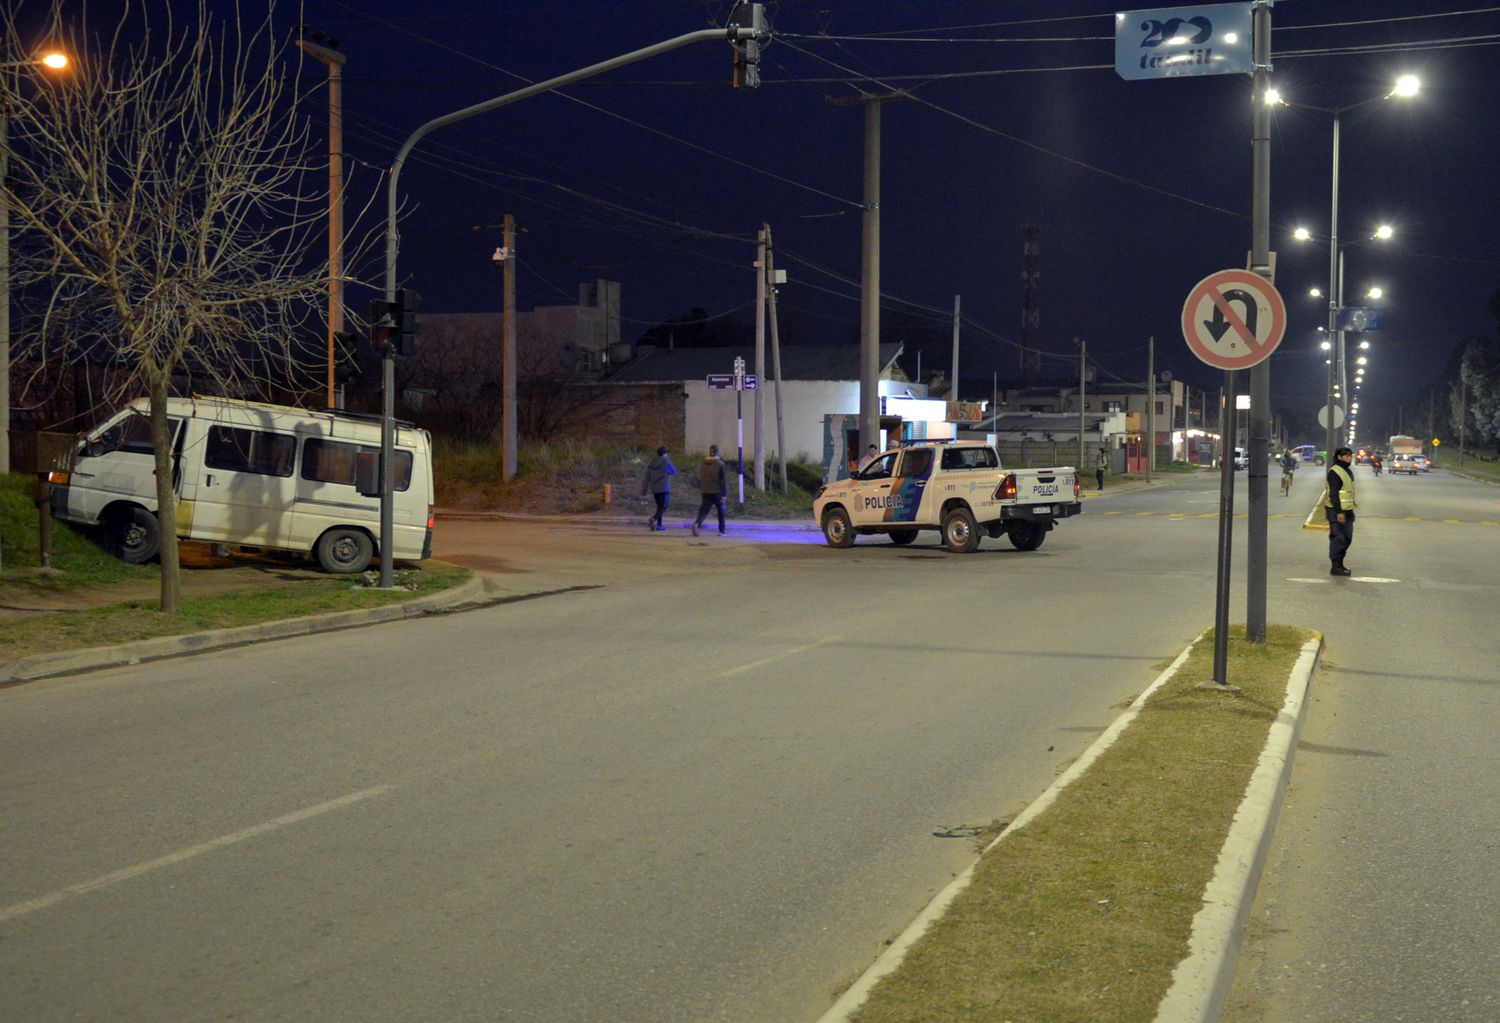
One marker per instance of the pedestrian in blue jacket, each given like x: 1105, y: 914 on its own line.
x: 658, y: 483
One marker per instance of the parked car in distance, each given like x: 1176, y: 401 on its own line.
x: 1309, y: 453
x: 1404, y: 463
x: 1423, y: 462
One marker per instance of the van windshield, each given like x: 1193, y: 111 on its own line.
x: 131, y: 434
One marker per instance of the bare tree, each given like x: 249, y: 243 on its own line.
x: 168, y: 209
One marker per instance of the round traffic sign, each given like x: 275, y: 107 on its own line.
x: 1338, y: 417
x: 1233, y: 319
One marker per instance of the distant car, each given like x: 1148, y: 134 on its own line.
x: 1362, y: 456
x: 1241, y: 459
x: 1404, y: 463
x: 1423, y: 462
x: 1309, y: 453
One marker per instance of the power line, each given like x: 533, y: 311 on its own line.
x: 609, y: 113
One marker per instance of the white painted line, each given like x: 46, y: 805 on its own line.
x: 779, y: 656
x: 1373, y: 579
x: 891, y: 958
x: 105, y: 880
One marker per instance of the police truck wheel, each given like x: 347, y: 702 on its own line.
x: 1026, y: 536
x: 133, y: 535
x: 343, y: 551
x: 902, y: 537
x: 959, y: 532
x: 837, y: 529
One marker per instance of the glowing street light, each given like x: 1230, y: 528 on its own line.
x: 1302, y: 234
x: 1384, y: 232
x: 1364, y: 344
x: 1361, y: 360
x: 1407, y: 86
x: 1375, y: 293
x: 1315, y: 292
x: 1326, y: 345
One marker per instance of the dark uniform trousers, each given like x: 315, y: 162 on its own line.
x: 1340, y: 535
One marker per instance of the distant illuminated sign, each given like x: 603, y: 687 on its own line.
x: 1177, y: 42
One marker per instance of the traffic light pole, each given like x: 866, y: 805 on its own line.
x: 751, y: 35
x: 387, y: 463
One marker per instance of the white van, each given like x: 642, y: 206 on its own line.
x: 248, y: 474
x: 1241, y: 459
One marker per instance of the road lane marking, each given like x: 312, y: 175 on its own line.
x: 115, y: 877
x: 780, y: 656
x: 1373, y: 579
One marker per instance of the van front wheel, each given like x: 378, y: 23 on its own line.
x: 344, y: 551
x: 133, y: 535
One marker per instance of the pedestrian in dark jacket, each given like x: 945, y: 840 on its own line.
x: 713, y: 482
x: 658, y: 483
x: 1339, y: 506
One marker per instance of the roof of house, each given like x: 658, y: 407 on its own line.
x: 1040, y: 422
x: 798, y: 362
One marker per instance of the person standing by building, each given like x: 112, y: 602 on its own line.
x: 658, y: 483
x: 713, y: 483
x: 1100, y: 465
x: 1338, y: 506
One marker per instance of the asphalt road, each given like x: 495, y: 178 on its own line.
x: 707, y: 790
x: 1380, y: 903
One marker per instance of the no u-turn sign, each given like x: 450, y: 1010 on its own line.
x: 1233, y: 319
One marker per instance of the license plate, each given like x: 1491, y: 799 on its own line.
x: 1041, y: 509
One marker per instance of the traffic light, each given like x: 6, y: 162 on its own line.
x: 346, y: 368
x: 395, y: 322
x: 404, y: 313
x: 382, y: 323
x: 751, y: 17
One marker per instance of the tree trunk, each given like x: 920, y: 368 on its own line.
x: 166, y: 497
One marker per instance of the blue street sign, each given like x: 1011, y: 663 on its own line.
x: 1353, y: 317
x: 751, y: 383
x: 1175, y: 42
x: 721, y: 381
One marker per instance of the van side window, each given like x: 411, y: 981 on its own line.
x: 236, y: 449
x: 329, y: 461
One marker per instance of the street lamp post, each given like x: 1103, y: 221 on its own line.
x: 54, y: 61
x: 1405, y: 87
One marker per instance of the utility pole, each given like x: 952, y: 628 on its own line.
x: 953, y: 385
x: 775, y: 354
x: 508, y: 352
x: 334, y: 61
x: 1082, y: 372
x: 1260, y: 373
x: 869, y: 280
x: 760, y: 357
x: 1151, y: 407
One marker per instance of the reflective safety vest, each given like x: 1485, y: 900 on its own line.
x: 1346, y: 490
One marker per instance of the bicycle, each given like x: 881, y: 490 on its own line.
x: 1286, y: 482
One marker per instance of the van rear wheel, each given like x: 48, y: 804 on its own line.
x: 133, y: 535
x: 344, y: 551
x: 960, y: 535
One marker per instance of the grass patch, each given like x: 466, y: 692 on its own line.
x: 1085, y: 912
x: 122, y: 622
x: 1479, y: 465
x: 76, y: 559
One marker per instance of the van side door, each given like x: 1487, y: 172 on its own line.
x: 245, y: 489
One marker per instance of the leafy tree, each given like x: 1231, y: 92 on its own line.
x: 169, y: 208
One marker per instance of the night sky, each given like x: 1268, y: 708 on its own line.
x: 658, y: 175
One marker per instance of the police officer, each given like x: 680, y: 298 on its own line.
x: 1338, y: 506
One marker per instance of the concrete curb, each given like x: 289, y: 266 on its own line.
x: 891, y: 958
x: 1201, y: 982
x: 71, y: 662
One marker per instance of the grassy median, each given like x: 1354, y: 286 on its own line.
x: 1084, y: 913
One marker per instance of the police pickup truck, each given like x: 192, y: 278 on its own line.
x: 956, y: 487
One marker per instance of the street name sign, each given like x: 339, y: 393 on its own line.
x: 1233, y: 319
x: 721, y: 381
x: 1176, y: 42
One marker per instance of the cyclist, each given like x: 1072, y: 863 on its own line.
x: 1288, y: 466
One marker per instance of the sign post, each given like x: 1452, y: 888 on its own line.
x: 739, y: 415
x: 1233, y: 320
